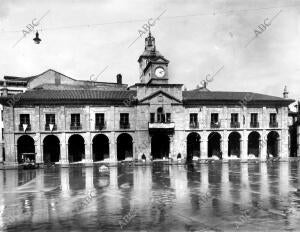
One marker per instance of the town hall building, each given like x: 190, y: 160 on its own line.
x: 153, y: 120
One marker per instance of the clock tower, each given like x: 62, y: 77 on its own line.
x: 153, y: 66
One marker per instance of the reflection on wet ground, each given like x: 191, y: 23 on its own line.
x: 204, y: 197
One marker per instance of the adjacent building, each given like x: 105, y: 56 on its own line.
x: 153, y: 119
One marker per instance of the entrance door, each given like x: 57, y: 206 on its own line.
x: 160, y: 146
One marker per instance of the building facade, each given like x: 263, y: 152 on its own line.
x: 152, y: 119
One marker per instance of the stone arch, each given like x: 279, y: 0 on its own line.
x: 100, y: 147
x: 273, y: 139
x: 193, y: 145
x: 234, y: 145
x: 214, y: 144
x: 25, y: 145
x: 254, y: 143
x: 124, y: 146
x: 76, y: 148
x: 51, y: 149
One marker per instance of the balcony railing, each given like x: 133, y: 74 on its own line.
x: 235, y: 124
x: 194, y: 125
x: 273, y: 124
x: 100, y: 126
x: 215, y: 124
x: 47, y: 127
x: 75, y: 127
x: 254, y: 124
x: 21, y: 128
x: 124, y: 125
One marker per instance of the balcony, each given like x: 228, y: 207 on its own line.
x: 75, y: 127
x: 194, y: 125
x: 235, y: 124
x: 100, y: 126
x: 124, y: 125
x: 273, y: 124
x: 161, y: 127
x: 47, y: 127
x: 27, y: 126
x: 254, y: 124
x: 215, y: 125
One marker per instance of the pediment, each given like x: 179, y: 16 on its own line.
x: 159, y: 97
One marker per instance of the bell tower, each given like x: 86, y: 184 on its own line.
x: 153, y: 66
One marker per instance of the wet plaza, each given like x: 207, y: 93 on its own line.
x: 230, y: 196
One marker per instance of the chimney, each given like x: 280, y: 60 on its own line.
x: 285, y: 93
x: 4, y: 89
x: 119, y: 79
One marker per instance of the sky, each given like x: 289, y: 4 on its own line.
x: 92, y: 38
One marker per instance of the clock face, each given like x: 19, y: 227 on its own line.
x: 160, y: 72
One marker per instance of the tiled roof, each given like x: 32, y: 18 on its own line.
x: 41, y: 96
x: 77, y: 94
x: 229, y: 96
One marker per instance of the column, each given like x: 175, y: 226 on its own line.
x: 38, y: 148
x: 113, y: 150
x: 284, y: 152
x: 135, y: 154
x: 64, y: 153
x: 171, y: 153
x: 87, y: 148
x: 224, y: 147
x: 1, y: 151
x: 244, y: 148
x: 263, y: 148
x: 203, y: 148
x: 298, y: 140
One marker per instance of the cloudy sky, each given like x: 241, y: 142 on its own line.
x: 82, y: 38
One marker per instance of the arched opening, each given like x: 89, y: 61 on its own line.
x: 193, y: 145
x: 160, y: 146
x: 160, y: 115
x: 273, y: 144
x: 124, y: 146
x: 234, y: 148
x: 253, y: 143
x: 100, y: 147
x: 51, y: 149
x: 214, y: 145
x: 76, y: 148
x: 25, y: 146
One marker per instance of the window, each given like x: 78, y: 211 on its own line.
x: 234, y: 118
x: 273, y: 118
x: 193, y: 118
x: 254, y: 118
x: 160, y: 115
x: 214, y: 118
x: 99, y: 118
x: 24, y: 119
x: 50, y: 119
x: 124, y: 118
x: 168, y: 117
x: 152, y: 117
x: 75, y: 119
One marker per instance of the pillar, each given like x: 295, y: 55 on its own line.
x: 38, y: 148
x: 298, y: 140
x: 113, y: 150
x: 244, y: 147
x: 284, y: 152
x: 171, y: 153
x: 64, y: 153
x: 87, y: 147
x: 203, y: 148
x: 263, y: 149
x: 224, y: 148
